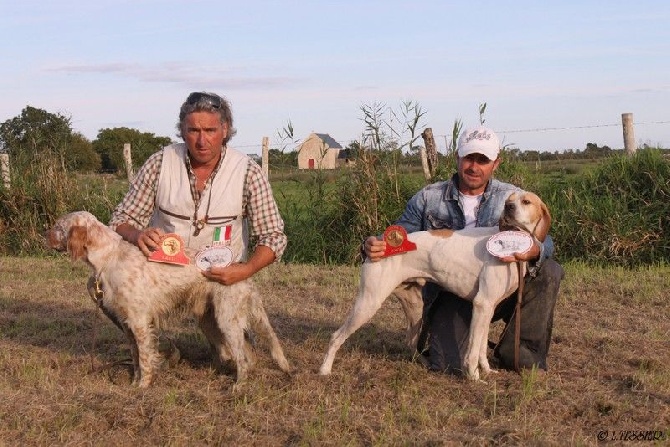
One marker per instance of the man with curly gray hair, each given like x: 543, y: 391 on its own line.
x: 207, y: 193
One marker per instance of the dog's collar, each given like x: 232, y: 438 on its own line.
x: 98, y: 293
x: 99, y: 285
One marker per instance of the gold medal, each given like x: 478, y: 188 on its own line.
x: 396, y: 240
x: 170, y: 250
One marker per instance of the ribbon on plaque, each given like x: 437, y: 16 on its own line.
x: 396, y: 240
x: 170, y: 250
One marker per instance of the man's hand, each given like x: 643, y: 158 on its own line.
x: 531, y: 255
x: 148, y: 240
x: 230, y: 274
x: 374, y: 248
x: 239, y: 271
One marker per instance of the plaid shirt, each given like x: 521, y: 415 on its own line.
x: 258, y: 203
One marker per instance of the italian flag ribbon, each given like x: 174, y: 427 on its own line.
x: 222, y: 235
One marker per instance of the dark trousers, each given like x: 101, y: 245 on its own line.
x: 447, y: 318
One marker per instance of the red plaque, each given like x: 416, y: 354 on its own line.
x: 396, y: 240
x: 170, y: 250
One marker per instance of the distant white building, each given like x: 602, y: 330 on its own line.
x: 321, y: 151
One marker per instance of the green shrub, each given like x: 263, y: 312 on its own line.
x: 614, y: 214
x: 618, y: 214
x: 330, y: 216
x: 42, y: 189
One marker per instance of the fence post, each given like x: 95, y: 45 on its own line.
x: 4, y: 170
x: 429, y: 155
x: 265, y: 157
x: 628, y: 133
x: 127, y: 158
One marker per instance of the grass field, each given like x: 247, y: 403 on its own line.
x: 63, y: 380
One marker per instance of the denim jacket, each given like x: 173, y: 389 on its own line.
x: 438, y: 206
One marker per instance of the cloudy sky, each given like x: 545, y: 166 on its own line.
x: 555, y: 75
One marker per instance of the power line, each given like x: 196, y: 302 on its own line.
x: 537, y: 129
x: 549, y: 129
x: 247, y: 145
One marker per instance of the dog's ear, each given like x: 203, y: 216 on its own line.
x: 542, y: 228
x: 76, y: 242
x: 96, y: 235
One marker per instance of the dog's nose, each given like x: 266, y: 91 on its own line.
x: 510, y: 206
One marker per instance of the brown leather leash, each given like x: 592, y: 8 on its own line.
x: 517, y: 315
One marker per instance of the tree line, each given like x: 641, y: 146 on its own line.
x: 35, y: 131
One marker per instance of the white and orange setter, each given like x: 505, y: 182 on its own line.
x: 138, y: 295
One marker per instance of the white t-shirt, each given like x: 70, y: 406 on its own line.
x: 470, y: 206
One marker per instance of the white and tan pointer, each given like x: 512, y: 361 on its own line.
x: 459, y: 262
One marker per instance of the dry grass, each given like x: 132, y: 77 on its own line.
x: 60, y: 386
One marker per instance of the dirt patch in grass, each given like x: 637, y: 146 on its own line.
x: 63, y: 378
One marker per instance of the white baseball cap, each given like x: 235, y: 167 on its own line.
x: 479, y: 140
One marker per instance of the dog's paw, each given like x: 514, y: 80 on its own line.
x: 171, y: 356
x: 169, y: 351
x: 144, y: 384
x: 485, y: 371
x: 239, y: 386
x: 471, y: 372
x: 136, y: 378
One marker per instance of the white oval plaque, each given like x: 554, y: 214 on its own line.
x: 216, y: 256
x: 507, y: 243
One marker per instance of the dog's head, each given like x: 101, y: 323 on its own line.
x: 74, y: 233
x: 525, y: 211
